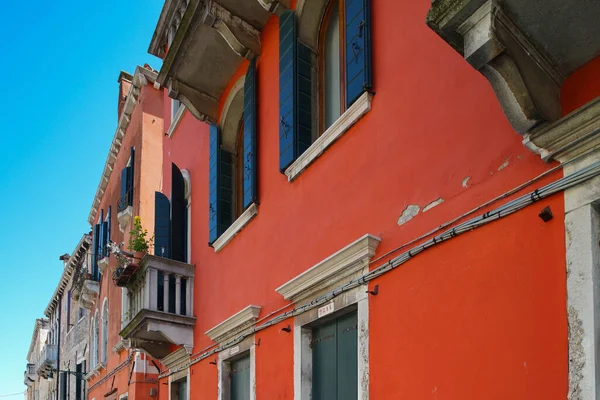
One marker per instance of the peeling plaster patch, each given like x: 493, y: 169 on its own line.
x: 465, y: 182
x: 576, y: 354
x: 409, y: 213
x: 433, y: 204
x: 504, y: 164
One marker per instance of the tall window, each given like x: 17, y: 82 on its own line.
x: 105, y: 332
x: 332, y: 74
x: 175, y: 104
x: 127, y: 179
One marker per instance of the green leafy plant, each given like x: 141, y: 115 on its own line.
x: 138, y: 237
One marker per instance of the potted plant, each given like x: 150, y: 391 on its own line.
x: 139, y: 241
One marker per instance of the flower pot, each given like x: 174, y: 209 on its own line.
x: 138, y: 255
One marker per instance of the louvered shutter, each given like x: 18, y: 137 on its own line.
x: 287, y: 88
x: 358, y: 49
x: 178, y: 216
x: 250, y: 145
x: 108, y: 217
x: 295, y: 92
x: 130, y: 178
x: 101, y: 236
x: 213, y: 190
x: 123, y: 199
x: 95, y: 271
x: 162, y: 225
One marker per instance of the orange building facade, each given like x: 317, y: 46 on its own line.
x: 352, y: 199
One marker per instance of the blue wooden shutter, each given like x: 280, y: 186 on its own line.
x: 213, y: 185
x: 178, y: 216
x: 95, y: 272
x: 162, y: 225
x: 101, y: 236
x: 108, y: 217
x: 287, y: 88
x: 123, y: 199
x: 130, y: 178
x: 250, y: 145
x: 295, y: 92
x: 358, y: 49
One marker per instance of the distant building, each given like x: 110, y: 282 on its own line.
x: 37, y: 356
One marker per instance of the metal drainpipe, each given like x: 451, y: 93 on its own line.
x: 58, y: 349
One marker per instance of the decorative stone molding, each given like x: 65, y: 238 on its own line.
x: 89, y: 293
x: 236, y: 227
x: 568, y: 137
x: 103, y: 264
x: 342, y: 264
x: 176, y: 359
x: 176, y: 119
x: 525, y: 81
x: 275, y: 6
x: 120, y: 346
x: 333, y: 133
x: 124, y: 217
x: 141, y: 77
x: 234, y: 325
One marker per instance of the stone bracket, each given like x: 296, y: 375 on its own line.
x: 194, y: 100
x: 524, y: 80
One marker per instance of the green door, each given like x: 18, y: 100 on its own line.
x: 182, y: 390
x: 335, y: 359
x: 240, y: 379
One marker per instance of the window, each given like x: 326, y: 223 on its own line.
x: 240, y: 378
x: 68, y: 310
x: 331, y: 69
x: 324, y: 77
x: 233, y: 189
x: 127, y: 179
x: 93, y: 342
x: 179, y: 390
x: 105, y: 332
x: 79, y: 387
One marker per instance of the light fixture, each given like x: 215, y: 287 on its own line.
x: 50, y: 376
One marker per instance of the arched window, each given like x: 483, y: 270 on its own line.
x: 92, y: 344
x: 95, y: 348
x: 105, y: 332
x: 331, y: 69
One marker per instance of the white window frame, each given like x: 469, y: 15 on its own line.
x: 176, y: 363
x: 226, y: 357
x: 346, y: 264
x: 105, y: 328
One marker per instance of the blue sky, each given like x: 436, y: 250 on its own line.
x: 60, y: 62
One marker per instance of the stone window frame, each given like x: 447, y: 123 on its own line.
x: 346, y: 264
x: 175, y: 363
x: 235, y: 326
x: 105, y: 327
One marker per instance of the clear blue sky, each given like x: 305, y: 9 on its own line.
x: 59, y: 64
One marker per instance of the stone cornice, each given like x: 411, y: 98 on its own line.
x: 339, y: 265
x: 176, y: 359
x: 568, y: 137
x: 68, y: 272
x: 141, y: 78
x: 234, y: 325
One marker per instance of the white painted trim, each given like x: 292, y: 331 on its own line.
x: 326, y: 273
x: 236, y: 227
x: 234, y: 324
x: 333, y: 133
x: 176, y: 120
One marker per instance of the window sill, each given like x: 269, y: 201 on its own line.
x: 335, y: 131
x: 176, y: 119
x: 235, y: 228
x: 124, y: 217
x: 102, y: 264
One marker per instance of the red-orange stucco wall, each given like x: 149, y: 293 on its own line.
x: 480, y: 317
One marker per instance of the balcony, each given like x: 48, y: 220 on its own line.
x: 209, y: 36
x: 30, y: 375
x: 160, y: 306
x: 47, y: 361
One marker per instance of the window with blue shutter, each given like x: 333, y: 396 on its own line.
x: 162, y: 225
x: 249, y: 140
x: 101, y: 236
x: 358, y: 49
x: 127, y: 179
x: 213, y: 184
x: 95, y: 240
x: 295, y: 92
x: 178, y: 216
x: 108, y: 217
